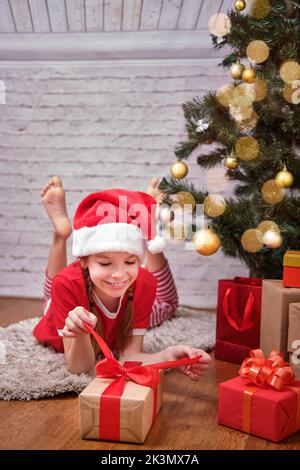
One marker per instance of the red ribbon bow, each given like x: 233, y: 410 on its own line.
x: 272, y: 371
x: 110, y: 400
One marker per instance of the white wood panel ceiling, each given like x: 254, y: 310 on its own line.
x: 70, y: 16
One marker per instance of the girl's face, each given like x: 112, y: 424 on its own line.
x: 112, y: 272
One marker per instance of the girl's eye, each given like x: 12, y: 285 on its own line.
x: 104, y: 264
x: 130, y: 262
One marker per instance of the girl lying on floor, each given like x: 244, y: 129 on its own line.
x: 107, y: 286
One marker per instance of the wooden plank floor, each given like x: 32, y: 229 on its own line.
x: 187, y: 420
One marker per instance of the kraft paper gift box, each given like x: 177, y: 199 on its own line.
x: 263, y: 411
x: 136, y: 410
x: 291, y: 269
x: 275, y: 316
x: 122, y: 402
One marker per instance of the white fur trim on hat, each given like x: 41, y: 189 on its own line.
x: 108, y: 237
x: 157, y: 245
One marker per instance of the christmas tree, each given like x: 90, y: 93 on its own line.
x: 254, y: 119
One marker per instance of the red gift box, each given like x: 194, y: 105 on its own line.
x: 291, y: 269
x: 264, y: 401
x: 238, y: 318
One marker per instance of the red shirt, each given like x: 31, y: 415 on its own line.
x: 68, y: 291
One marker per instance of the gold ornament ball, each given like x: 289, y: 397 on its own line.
x: 272, y: 239
x: 271, y: 192
x: 257, y: 51
x: 248, y: 75
x: 231, y: 163
x: 206, y: 242
x: 267, y: 225
x: 247, y: 148
x: 179, y: 170
x: 240, y: 5
x: 214, y: 205
x: 284, y: 179
x: 289, y: 71
x: 252, y: 240
x: 236, y: 70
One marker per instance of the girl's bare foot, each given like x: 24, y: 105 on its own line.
x: 53, y: 197
x: 154, y: 191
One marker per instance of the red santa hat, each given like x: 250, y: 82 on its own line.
x: 116, y: 220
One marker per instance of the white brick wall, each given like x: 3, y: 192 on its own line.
x: 97, y: 125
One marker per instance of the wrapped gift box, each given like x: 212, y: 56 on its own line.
x: 136, y: 411
x: 291, y: 269
x: 122, y: 402
x: 263, y: 412
x: 275, y: 316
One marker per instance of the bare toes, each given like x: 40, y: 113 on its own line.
x: 56, y: 181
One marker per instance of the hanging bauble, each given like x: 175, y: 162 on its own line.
x: 247, y: 148
x: 289, y: 71
x: 206, y: 242
x: 252, y: 240
x: 240, y: 5
x: 184, y: 198
x: 271, y: 192
x: 284, y: 178
x: 236, y: 70
x: 214, y: 205
x: 248, y: 75
x: 260, y: 9
x: 272, y: 239
x: 179, y: 170
x: 257, y: 51
x: 231, y: 162
x: 267, y: 225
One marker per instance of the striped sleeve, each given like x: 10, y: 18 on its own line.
x: 47, y: 290
x: 166, y: 300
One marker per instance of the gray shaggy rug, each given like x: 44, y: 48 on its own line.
x: 29, y: 370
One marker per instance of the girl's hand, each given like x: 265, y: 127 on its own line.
x: 194, y: 371
x: 74, y: 322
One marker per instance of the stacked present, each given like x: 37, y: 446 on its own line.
x: 252, y: 313
x: 264, y: 400
x: 122, y: 402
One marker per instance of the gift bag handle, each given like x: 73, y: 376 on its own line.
x: 246, y: 323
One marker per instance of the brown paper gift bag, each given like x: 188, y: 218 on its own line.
x: 275, y: 316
